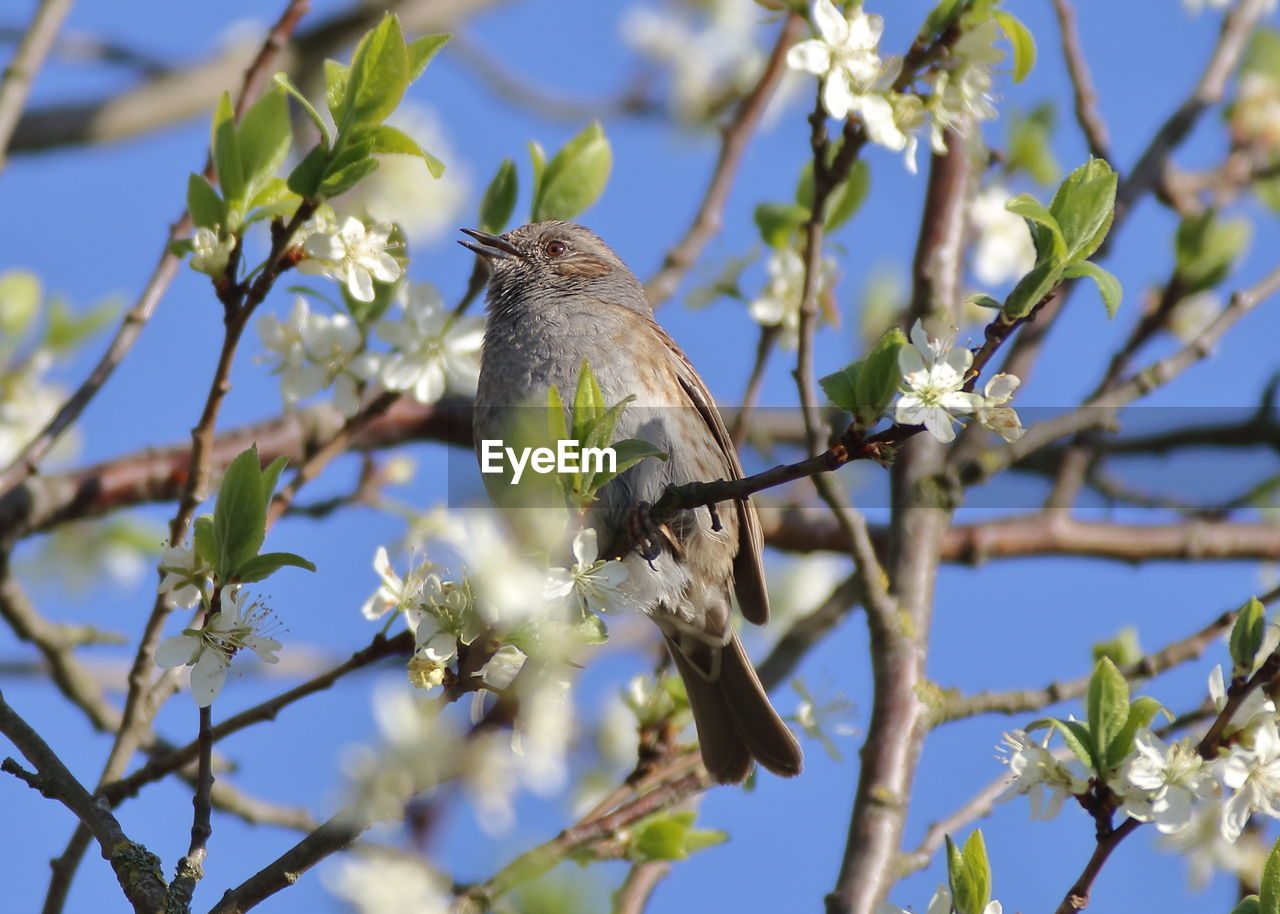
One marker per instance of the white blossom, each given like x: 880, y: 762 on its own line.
x: 1204, y: 848
x: 1168, y: 778
x: 432, y: 350
x: 1254, y: 774
x: 779, y: 304
x: 592, y: 581
x: 211, y: 252
x: 1004, y: 249
x: 1257, y: 710
x: 993, y: 414
x: 185, y: 577
x: 962, y: 85
x: 1036, y: 772
x: 209, y: 650
x: 311, y: 351
x: 933, y: 374
x: 940, y: 903
x: 353, y: 254
x: 383, y: 883
x: 853, y: 76
x: 400, y: 594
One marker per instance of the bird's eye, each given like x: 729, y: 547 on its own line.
x: 555, y: 248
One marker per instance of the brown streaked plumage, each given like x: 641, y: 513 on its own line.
x: 558, y: 296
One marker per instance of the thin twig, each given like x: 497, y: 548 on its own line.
x: 1086, y: 97
x: 734, y: 139
x: 22, y: 68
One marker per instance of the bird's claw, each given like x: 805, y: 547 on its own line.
x: 647, y: 535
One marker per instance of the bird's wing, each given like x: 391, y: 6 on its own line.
x: 748, y: 565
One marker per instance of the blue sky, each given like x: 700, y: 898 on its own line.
x: 90, y: 222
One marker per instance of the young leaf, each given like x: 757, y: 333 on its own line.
x: 777, y: 221
x: 1247, y: 635
x: 240, y: 514
x: 627, y: 453
x: 341, y: 180
x: 226, y: 153
x: 1249, y: 904
x: 1084, y: 206
x: 972, y: 890
x: 305, y: 178
x: 271, y: 476
x: 843, y: 201
x: 1207, y: 248
x: 379, y: 76
x: 538, y: 158
x: 841, y: 387
x: 1108, y: 286
x: 1023, y: 42
x: 267, y: 564
x: 336, y: 77
x: 389, y: 140
x: 203, y: 203
x: 1269, y: 886
x: 575, y: 177
x: 1031, y: 289
x: 499, y: 199
x: 204, y: 540
x: 265, y: 136
x: 877, y: 382
x: 421, y: 50
x: 1074, y: 733
x: 1108, y: 708
x: 1030, y: 148
x: 1031, y: 209
x: 284, y: 82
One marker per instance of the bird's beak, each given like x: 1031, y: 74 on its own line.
x: 491, y: 247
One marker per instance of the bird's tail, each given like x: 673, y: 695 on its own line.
x: 735, y: 721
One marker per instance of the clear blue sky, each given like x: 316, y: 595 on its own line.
x: 90, y: 222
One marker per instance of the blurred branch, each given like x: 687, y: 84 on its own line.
x: 633, y: 895
x: 136, y: 868
x: 186, y: 92
x: 517, y: 89
x: 22, y: 68
x: 734, y: 139
x: 1086, y: 97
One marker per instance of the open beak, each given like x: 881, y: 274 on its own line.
x: 491, y: 247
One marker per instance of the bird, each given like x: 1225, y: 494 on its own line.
x: 558, y: 296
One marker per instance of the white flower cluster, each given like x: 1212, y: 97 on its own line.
x: 1169, y: 783
x: 348, y: 251
x: 779, y: 304
x: 431, y: 351
x: 855, y: 80
x: 934, y: 373
x: 1003, y: 249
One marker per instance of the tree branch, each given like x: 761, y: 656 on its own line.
x: 22, y: 68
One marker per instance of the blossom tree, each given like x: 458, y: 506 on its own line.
x: 484, y: 707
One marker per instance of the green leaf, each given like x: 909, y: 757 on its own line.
x: 1031, y: 289
x: 271, y: 476
x: 1247, y: 635
x: 274, y: 199
x: 575, y: 177
x: 1248, y: 905
x: 701, y: 838
x: 591, y: 629
x: 1023, y: 42
x: 972, y: 890
x: 777, y: 221
x: 389, y: 140
x: 284, y: 82
x: 267, y: 564
x: 499, y: 199
x: 204, y: 540
x: 240, y: 514
x: 1262, y: 54
x: 662, y: 838
x: 336, y: 77
x: 379, y: 76
x: 1074, y: 733
x: 1031, y: 209
x: 265, y: 137
x: 841, y: 387
x: 556, y: 428
x: 1030, y: 147
x: 1084, y: 206
x: 341, y: 180
x: 19, y: 301
x: 1123, y: 649
x: 1141, y: 712
x: 203, y: 203
x: 1269, y: 885
x: 982, y: 300
x: 65, y: 329
x: 421, y: 50
x: 588, y: 401
x: 940, y: 19
x: 1108, y: 707
x: 305, y: 178
x: 627, y: 453
x: 538, y: 157
x: 1207, y: 249
x: 226, y: 154
x: 1108, y: 286
x: 843, y: 200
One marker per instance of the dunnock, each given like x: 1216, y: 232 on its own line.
x: 558, y: 296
